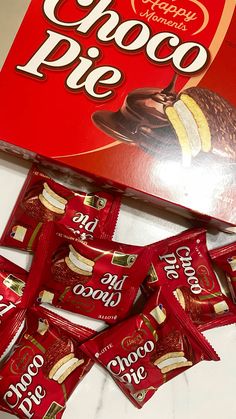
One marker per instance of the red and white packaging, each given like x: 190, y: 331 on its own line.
x: 17, y: 291
x: 225, y: 258
x: 151, y: 348
x: 96, y: 278
x: 130, y: 94
x: 42, y: 199
x: 182, y: 263
x: 43, y: 367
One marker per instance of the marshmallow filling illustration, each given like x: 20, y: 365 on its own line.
x: 189, y: 122
x: 191, y: 127
x: 62, y: 361
x: 171, y: 361
x: 50, y: 199
x: 69, y: 366
x: 78, y: 263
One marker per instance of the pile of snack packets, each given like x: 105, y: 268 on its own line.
x: 77, y: 267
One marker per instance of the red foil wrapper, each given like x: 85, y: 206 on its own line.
x: 16, y: 290
x: 183, y: 264
x: 97, y: 278
x: 225, y: 258
x: 40, y: 372
x: 42, y: 199
x: 151, y: 348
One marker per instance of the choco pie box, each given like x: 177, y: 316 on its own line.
x: 139, y: 95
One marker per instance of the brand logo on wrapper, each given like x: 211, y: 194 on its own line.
x: 205, y: 279
x: 181, y: 259
x: 118, y: 365
x: 132, y: 342
x: 185, y: 15
x: 15, y: 395
x: 19, y: 365
x: 129, y: 36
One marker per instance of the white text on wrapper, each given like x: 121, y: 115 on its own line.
x: 108, y: 298
x: 118, y: 365
x: 182, y: 256
x: 5, y: 308
x: 15, y: 395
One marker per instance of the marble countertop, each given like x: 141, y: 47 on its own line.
x: 206, y: 390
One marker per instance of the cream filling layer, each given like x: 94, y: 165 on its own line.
x: 79, y: 264
x: 171, y: 361
x: 190, y: 126
x: 64, y: 368
x: 54, y: 202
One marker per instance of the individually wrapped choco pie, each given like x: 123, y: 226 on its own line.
x: 16, y: 290
x: 225, y: 258
x: 42, y: 199
x: 151, y: 348
x: 97, y: 278
x: 40, y: 371
x: 183, y: 264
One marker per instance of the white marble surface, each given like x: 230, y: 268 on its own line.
x: 205, y: 391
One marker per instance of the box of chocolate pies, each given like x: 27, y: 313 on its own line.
x: 139, y: 95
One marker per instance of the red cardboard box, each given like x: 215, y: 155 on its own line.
x: 139, y: 95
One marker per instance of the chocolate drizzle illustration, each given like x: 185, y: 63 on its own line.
x: 141, y: 118
x: 194, y: 126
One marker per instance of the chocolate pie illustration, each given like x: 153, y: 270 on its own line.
x: 70, y: 267
x: 194, y: 123
x: 198, y: 308
x: 172, y: 353
x: 78, y: 263
x: 60, y: 360
x: 52, y: 201
x: 43, y: 204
